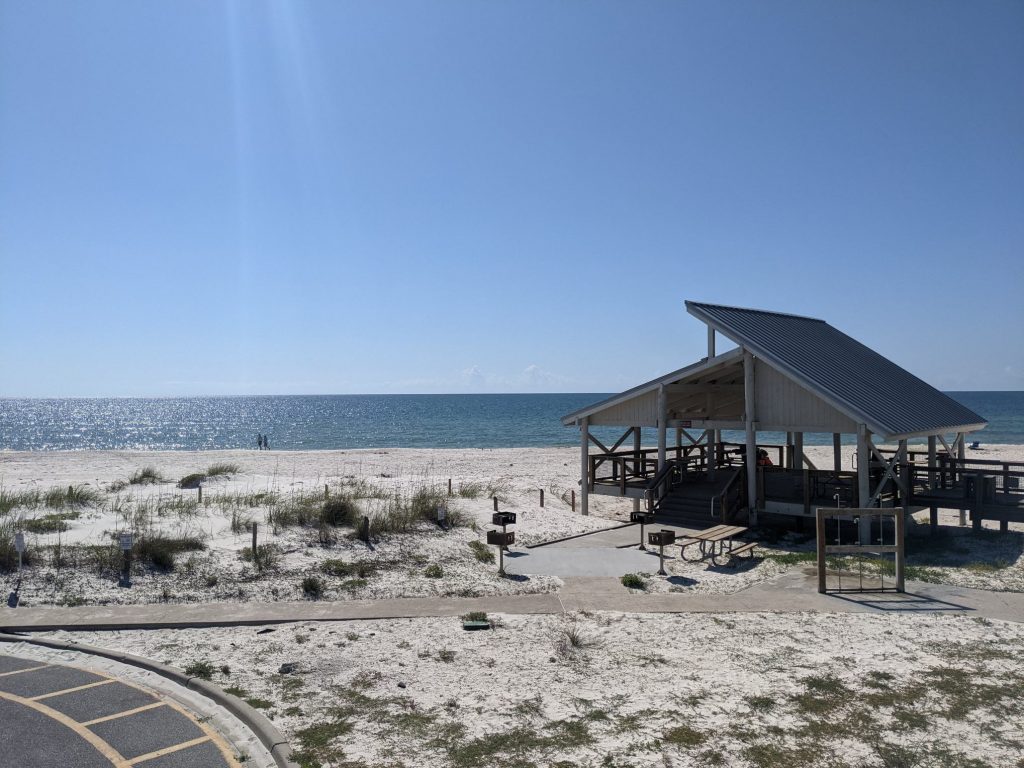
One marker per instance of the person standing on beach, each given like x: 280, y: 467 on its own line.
x: 266, y: 444
x: 259, y: 442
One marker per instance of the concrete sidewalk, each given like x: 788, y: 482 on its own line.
x: 793, y: 591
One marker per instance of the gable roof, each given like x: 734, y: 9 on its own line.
x: 856, y: 380
x: 700, y: 366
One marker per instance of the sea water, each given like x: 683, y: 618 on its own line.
x: 356, y: 421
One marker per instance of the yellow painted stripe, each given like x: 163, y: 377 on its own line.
x: 116, y: 758
x: 108, y: 681
x: 20, y: 671
x: 127, y: 712
x: 225, y: 749
x: 168, y: 750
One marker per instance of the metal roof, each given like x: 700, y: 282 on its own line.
x: 858, y: 381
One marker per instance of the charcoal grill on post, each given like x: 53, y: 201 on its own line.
x: 661, y: 539
x: 644, y: 518
x: 503, y: 519
x: 501, y: 540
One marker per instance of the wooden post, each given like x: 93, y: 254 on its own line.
x: 200, y: 494
x: 863, y: 481
x: 748, y: 418
x: 900, y: 523
x: 449, y: 486
x: 572, y: 497
x: 584, y: 466
x: 807, y: 491
x: 495, y: 500
x: 542, y: 498
x: 905, y: 477
x: 711, y: 342
x: 933, y: 519
x: 820, y: 516
x: 255, y: 551
x: 327, y: 492
x: 365, y: 532
x: 979, y: 501
x: 662, y: 426
x: 637, y: 456
x: 798, y: 450
x: 837, y: 452
x: 931, y: 463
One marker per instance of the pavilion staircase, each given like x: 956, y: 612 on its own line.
x: 699, y: 503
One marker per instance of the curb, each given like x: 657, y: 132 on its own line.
x: 264, y: 730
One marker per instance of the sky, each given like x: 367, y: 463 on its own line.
x: 203, y: 198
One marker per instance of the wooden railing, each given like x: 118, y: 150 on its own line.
x: 662, y: 484
x: 732, y: 498
x: 640, y: 467
x: 812, y: 487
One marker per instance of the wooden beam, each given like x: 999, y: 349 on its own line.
x: 751, y: 436
x: 837, y: 452
x: 704, y: 389
x: 662, y: 425
x: 585, y: 466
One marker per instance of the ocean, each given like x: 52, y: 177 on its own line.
x: 354, y: 421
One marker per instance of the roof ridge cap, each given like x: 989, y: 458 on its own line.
x: 690, y: 303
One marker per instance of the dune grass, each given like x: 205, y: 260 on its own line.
x: 146, y: 476
x: 222, y: 469
x: 72, y: 496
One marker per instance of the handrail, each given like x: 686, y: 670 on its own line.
x: 658, y: 487
x: 718, y: 496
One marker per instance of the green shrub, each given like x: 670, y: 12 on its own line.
x: 222, y: 468
x: 158, y: 550
x: 24, y: 499
x: 481, y: 551
x: 474, y: 616
x: 52, y: 523
x: 335, y: 567
x: 267, y: 556
x: 146, y: 476
x: 192, y: 481
x: 339, y: 511
x: 433, y: 571
x: 313, y: 587
x: 202, y: 669
x: 634, y: 581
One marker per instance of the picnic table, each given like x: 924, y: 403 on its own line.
x: 715, y: 542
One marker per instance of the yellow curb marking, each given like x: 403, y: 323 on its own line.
x: 127, y: 712
x: 168, y: 750
x: 27, y: 669
x: 115, y: 757
x: 70, y: 690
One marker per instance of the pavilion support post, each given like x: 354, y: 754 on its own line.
x: 837, y: 452
x: 712, y: 452
x: 958, y: 469
x: 903, y: 455
x: 748, y: 418
x: 637, y: 456
x: 585, y: 466
x: 798, y: 450
x: 711, y: 342
x: 662, y: 425
x: 931, y: 462
x: 790, y: 464
x: 863, y: 481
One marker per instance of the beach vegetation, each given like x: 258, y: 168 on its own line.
x: 8, y: 554
x: 471, y: 490
x: 158, y: 549
x: 313, y: 587
x: 222, y: 469
x: 634, y: 581
x: 266, y: 559
x: 433, y: 571
x: 71, y: 497
x: 684, y: 736
x: 200, y: 668
x: 146, y: 476
x: 55, y: 522
x: 10, y: 500
x: 481, y: 551
x: 192, y: 481
x: 240, y: 523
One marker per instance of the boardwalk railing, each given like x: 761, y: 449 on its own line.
x: 638, y: 468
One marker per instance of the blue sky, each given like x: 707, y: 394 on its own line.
x: 333, y: 197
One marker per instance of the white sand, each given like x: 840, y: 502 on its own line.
x: 637, y: 678
x: 516, y: 475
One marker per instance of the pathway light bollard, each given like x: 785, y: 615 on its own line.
x: 125, y: 542
x: 501, y: 540
x: 644, y: 518
x: 504, y: 519
x: 661, y: 539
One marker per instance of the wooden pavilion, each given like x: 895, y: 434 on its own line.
x: 795, y: 375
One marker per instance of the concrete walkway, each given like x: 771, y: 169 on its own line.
x: 793, y: 591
